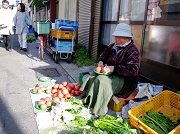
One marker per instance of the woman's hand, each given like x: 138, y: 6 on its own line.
x: 108, y: 69
x: 30, y: 26
x: 100, y: 64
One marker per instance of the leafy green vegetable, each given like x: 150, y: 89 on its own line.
x: 75, y: 101
x: 113, y: 125
x: 158, y: 122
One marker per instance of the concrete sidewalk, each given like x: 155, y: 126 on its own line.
x: 19, y: 71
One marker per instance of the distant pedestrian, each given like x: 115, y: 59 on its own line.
x: 21, y: 23
x: 6, y: 17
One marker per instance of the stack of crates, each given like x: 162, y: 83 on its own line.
x: 63, y: 34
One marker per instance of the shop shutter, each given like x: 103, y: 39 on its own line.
x: 96, y: 28
x: 84, y: 22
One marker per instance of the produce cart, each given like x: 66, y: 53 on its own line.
x: 63, y: 40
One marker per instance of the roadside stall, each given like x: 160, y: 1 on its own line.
x: 58, y: 108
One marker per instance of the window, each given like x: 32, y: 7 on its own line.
x: 162, y: 32
x: 132, y: 10
x: 161, y: 44
x: 110, y: 10
x: 106, y: 35
x: 115, y: 11
x: 170, y: 9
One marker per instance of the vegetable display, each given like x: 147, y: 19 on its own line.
x: 64, y: 90
x: 113, y: 125
x: 71, y: 112
x: 158, y: 122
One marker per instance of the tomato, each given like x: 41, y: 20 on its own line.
x: 98, y: 69
x: 65, y: 91
x: 78, y: 84
x: 55, y: 99
x: 67, y: 96
x: 76, y: 93
x: 47, y: 98
x: 56, y: 86
x: 48, y: 91
x: 64, y: 83
x: 59, y: 92
x: 72, y: 92
x: 48, y: 103
x: 60, y: 95
x: 41, y: 102
x: 43, y: 106
x: 55, y: 94
x: 72, y: 86
x: 69, y: 88
x: 54, y: 90
x: 76, y: 88
x: 34, y: 90
x: 60, y: 86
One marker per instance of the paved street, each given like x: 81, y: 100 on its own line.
x: 18, y: 73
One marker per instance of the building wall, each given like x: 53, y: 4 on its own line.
x: 67, y: 9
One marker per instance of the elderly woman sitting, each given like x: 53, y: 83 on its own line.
x: 120, y: 63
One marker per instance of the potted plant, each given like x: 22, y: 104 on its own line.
x: 30, y: 38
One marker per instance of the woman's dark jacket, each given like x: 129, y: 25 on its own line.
x: 126, y: 62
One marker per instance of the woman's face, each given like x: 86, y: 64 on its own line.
x: 119, y: 40
x: 5, y: 5
x: 19, y: 7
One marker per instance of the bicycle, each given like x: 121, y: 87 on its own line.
x: 42, y: 46
x: 44, y: 33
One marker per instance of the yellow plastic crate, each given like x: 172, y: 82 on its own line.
x: 166, y: 102
x: 62, y: 34
x: 116, y: 107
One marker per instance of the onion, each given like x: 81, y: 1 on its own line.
x: 47, y: 99
x: 41, y: 102
x: 48, y: 91
x: 65, y: 91
x: 64, y: 83
x: 60, y: 95
x: 53, y: 91
x: 55, y: 99
x: 56, y: 86
x: 48, y: 103
x: 43, y: 106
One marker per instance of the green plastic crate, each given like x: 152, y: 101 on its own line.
x: 43, y: 27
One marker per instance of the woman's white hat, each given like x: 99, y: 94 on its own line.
x: 123, y: 29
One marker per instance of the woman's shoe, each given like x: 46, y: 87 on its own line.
x: 25, y: 49
x: 9, y: 49
x: 21, y: 48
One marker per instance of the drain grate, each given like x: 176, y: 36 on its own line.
x: 50, y: 72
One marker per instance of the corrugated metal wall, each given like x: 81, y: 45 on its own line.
x: 96, y: 29
x: 67, y: 9
x: 84, y: 22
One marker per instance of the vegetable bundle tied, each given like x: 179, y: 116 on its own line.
x: 158, y: 122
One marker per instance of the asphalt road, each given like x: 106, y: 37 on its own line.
x: 19, y: 71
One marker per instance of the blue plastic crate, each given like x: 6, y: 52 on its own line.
x: 66, y: 28
x: 67, y: 23
x: 63, y: 45
x: 31, y: 30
